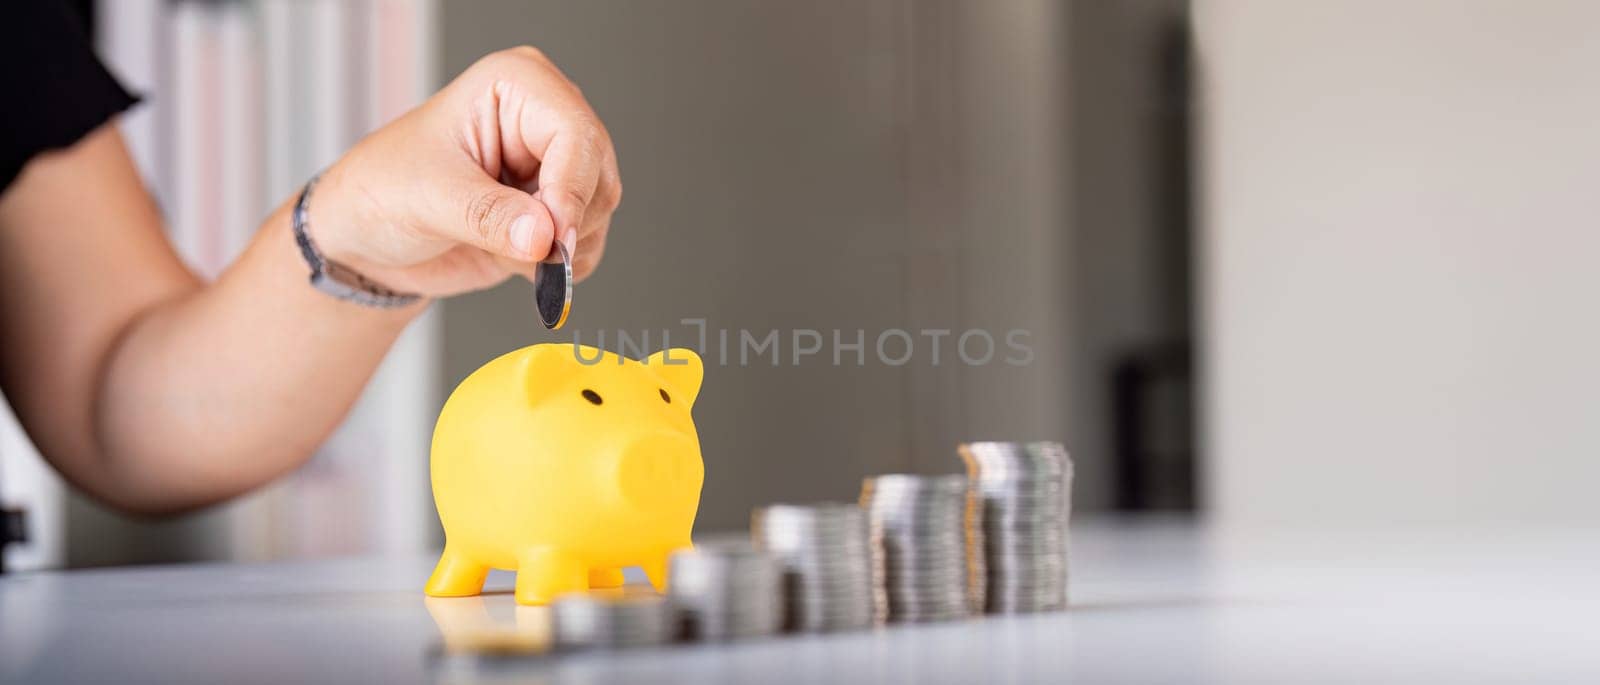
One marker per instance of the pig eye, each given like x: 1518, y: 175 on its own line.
x: 665, y: 397
x: 592, y: 396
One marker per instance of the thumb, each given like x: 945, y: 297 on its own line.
x: 500, y: 220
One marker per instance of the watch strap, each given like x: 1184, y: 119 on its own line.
x: 334, y: 278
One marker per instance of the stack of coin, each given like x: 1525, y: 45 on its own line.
x: 609, y: 620
x: 925, y: 544
x: 1026, y: 490
x: 726, y: 589
x: 832, y: 564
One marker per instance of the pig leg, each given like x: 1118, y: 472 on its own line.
x: 656, y: 569
x: 545, y: 572
x: 605, y: 577
x: 456, y: 576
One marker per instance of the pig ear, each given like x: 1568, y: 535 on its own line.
x: 680, y: 368
x: 545, y: 367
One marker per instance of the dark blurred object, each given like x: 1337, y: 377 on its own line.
x: 1152, y: 395
x: 13, y: 528
x: 1130, y: 152
x: 83, y: 11
x: 1152, y: 388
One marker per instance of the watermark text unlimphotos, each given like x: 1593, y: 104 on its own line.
x: 774, y: 347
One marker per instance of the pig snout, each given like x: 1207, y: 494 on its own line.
x: 659, y: 473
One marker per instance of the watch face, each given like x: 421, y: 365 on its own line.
x: 345, y: 276
x: 339, y: 281
x: 552, y: 287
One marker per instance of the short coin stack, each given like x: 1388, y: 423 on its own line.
x: 610, y: 621
x: 1025, y: 489
x: 726, y: 589
x: 923, y: 519
x: 832, y: 567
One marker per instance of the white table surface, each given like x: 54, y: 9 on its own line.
x: 1153, y: 601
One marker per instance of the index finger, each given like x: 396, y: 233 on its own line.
x: 569, y: 172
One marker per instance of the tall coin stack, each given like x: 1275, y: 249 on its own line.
x: 606, y: 621
x: 1026, y: 491
x: 726, y: 589
x: 925, y: 551
x: 832, y: 564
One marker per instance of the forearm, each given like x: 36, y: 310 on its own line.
x: 155, y: 392
x: 215, y: 392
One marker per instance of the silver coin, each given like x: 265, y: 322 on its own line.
x: 592, y: 620
x: 832, y: 559
x: 1023, y: 491
x: 552, y: 287
x: 928, y: 599
x: 989, y: 461
x: 928, y: 543
x: 939, y: 547
x: 726, y: 589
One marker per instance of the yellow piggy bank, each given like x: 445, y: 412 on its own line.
x: 566, y: 471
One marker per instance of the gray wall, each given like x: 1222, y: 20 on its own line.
x: 1401, y: 278
x: 889, y: 164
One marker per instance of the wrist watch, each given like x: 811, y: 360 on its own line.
x: 337, y: 279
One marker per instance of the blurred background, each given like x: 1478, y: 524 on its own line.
x: 1283, y: 265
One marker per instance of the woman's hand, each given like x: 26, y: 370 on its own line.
x: 155, y: 391
x: 475, y: 184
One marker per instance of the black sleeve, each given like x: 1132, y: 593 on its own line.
x: 55, y: 89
